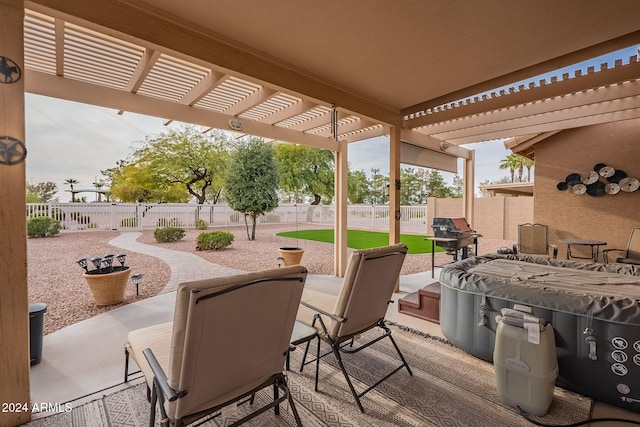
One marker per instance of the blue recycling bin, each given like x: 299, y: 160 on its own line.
x: 36, y: 331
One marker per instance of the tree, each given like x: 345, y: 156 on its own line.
x: 411, y: 187
x: 252, y: 181
x: 528, y: 163
x: 305, y: 170
x: 379, y: 192
x: 71, y: 182
x: 436, y: 186
x: 41, y: 192
x: 174, y: 166
x: 358, y: 187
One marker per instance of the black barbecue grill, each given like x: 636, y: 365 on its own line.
x: 452, y: 234
x: 453, y: 228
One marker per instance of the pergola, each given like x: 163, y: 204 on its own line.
x: 430, y: 74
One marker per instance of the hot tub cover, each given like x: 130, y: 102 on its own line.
x: 608, y: 292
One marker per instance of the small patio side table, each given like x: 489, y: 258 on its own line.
x: 594, y: 244
x: 302, y: 334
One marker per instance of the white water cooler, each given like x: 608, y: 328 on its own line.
x: 525, y: 361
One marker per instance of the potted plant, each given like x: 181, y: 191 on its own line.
x: 291, y: 255
x: 106, y: 281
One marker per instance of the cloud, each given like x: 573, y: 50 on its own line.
x: 66, y: 139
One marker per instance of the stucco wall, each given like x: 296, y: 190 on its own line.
x: 495, y: 217
x: 610, y: 217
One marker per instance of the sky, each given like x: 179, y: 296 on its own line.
x: 71, y: 140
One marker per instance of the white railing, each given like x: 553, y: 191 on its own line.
x: 149, y: 216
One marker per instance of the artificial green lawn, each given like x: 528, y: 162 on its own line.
x: 358, y: 239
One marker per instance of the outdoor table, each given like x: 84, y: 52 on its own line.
x: 434, y: 241
x: 301, y: 334
x: 594, y: 244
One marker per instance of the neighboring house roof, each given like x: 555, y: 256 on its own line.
x: 512, y: 189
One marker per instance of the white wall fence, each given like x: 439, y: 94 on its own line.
x: 149, y: 216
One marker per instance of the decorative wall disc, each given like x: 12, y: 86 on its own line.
x: 12, y: 150
x: 607, y: 171
x: 629, y: 184
x: 589, y: 178
x: 573, y: 179
x: 612, y: 188
x: 10, y: 72
x: 617, y: 176
x: 596, y: 189
x: 579, y: 189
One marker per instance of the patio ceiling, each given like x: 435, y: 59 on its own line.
x: 280, y: 66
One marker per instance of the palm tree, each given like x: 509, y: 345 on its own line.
x: 528, y: 163
x: 71, y: 182
x: 510, y: 162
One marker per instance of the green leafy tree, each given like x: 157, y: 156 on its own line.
x: 174, y: 167
x: 512, y: 163
x: 436, y: 187
x: 305, y: 171
x: 411, y: 187
x: 358, y: 187
x: 41, y: 192
x: 251, y: 185
x: 378, y: 194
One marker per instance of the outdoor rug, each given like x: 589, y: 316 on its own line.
x: 448, y: 388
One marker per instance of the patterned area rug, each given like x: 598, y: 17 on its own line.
x: 448, y: 388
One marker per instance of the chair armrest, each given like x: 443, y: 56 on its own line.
x: 321, y: 311
x: 554, y: 249
x: 605, y: 254
x: 160, y: 376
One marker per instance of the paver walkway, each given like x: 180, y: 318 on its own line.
x: 184, y: 266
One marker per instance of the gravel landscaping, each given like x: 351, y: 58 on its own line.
x: 55, y: 279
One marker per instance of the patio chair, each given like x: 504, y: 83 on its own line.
x: 360, y: 306
x: 631, y: 254
x: 229, y: 339
x: 533, y: 239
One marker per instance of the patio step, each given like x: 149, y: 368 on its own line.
x: 424, y: 304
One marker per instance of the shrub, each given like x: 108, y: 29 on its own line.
x: 214, y: 240
x: 166, y: 222
x: 201, y: 224
x: 42, y: 226
x: 129, y: 222
x: 168, y: 234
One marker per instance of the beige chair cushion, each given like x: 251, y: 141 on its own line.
x: 158, y: 339
x: 368, y: 284
x: 227, y: 343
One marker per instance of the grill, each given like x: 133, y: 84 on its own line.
x: 457, y: 229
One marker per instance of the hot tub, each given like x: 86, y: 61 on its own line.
x: 594, y: 310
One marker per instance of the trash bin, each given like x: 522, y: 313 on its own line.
x: 36, y: 331
x: 525, y: 361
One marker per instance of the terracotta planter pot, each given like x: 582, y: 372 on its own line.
x: 108, y: 288
x: 291, y: 256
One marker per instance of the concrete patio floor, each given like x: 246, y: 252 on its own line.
x: 86, y: 358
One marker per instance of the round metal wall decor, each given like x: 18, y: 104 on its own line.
x: 12, y: 150
x: 629, y: 184
x: 10, y: 72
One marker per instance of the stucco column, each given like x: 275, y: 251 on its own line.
x: 468, y: 192
x: 340, y: 221
x: 394, y: 187
x: 14, y: 315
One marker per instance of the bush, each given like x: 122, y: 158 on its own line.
x: 42, y: 226
x: 214, y: 240
x: 129, y: 222
x: 201, y: 224
x: 168, y: 234
x: 166, y: 222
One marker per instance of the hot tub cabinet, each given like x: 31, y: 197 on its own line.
x: 594, y: 310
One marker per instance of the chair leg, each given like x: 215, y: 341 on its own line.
x: 404, y: 362
x: 336, y: 352
x: 276, y: 408
x: 317, y: 363
x: 292, y: 405
x: 152, y: 411
x: 126, y: 364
